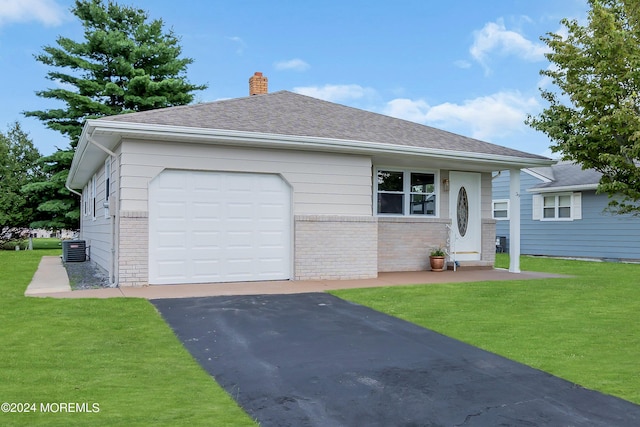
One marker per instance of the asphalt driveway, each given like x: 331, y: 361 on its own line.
x: 316, y: 360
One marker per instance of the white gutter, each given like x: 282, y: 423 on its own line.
x: 73, y: 191
x: 581, y: 187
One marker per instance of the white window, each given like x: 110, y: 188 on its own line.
x: 107, y: 180
x: 92, y: 202
x: 405, y: 193
x: 557, y: 207
x: 500, y: 209
x: 85, y: 200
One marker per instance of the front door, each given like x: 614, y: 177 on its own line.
x: 466, y: 224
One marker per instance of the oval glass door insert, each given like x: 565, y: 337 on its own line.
x: 463, y: 211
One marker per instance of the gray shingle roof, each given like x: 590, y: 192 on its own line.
x: 568, y: 174
x: 287, y: 113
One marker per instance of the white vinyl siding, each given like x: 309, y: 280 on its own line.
x: 96, y: 226
x: 323, y: 183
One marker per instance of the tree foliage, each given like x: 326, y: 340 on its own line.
x: 594, y: 118
x: 18, y: 167
x: 125, y: 63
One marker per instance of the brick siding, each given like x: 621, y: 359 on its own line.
x: 404, y: 243
x: 133, y: 249
x: 335, y: 247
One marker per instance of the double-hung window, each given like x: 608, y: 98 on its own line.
x: 93, y: 197
x: 107, y: 190
x: 500, y: 209
x: 405, y: 193
x: 557, y: 206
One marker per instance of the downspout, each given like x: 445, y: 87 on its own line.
x: 73, y: 191
x: 112, y: 276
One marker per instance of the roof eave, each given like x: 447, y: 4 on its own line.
x: 123, y: 129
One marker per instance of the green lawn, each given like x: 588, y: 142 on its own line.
x: 585, y: 329
x: 117, y: 353
x: 120, y: 354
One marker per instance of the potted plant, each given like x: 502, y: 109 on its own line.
x: 436, y: 259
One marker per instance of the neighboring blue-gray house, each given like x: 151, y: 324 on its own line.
x: 561, y: 215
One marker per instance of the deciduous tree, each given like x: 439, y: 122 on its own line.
x: 18, y: 167
x: 593, y: 116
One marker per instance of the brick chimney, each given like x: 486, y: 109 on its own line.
x: 258, y: 84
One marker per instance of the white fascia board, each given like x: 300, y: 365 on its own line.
x: 257, y: 139
x: 538, y: 175
x: 582, y: 187
x: 81, y: 151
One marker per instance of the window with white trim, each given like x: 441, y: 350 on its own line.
x: 93, y: 197
x: 107, y: 180
x: 85, y: 200
x: 557, y: 206
x: 500, y: 209
x: 402, y: 192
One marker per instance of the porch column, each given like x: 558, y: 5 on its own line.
x: 514, y: 220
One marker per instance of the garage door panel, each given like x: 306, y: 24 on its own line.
x: 218, y: 227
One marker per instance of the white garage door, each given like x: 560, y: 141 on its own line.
x: 218, y: 227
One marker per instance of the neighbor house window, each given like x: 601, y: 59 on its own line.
x: 557, y: 207
x: 406, y: 193
x: 500, y: 209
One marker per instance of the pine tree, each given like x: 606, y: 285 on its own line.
x: 125, y: 63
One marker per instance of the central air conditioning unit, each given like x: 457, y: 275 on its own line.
x: 74, y: 250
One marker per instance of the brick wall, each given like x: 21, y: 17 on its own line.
x: 335, y: 247
x: 133, y: 249
x: 404, y: 243
x: 489, y: 240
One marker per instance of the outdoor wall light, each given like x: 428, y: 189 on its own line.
x: 445, y: 184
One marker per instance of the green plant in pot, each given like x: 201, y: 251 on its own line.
x: 437, y: 259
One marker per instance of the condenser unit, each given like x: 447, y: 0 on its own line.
x: 74, y: 250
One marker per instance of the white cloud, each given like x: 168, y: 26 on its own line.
x: 336, y: 93
x: 495, y: 38
x: 486, y: 118
x: 240, y: 44
x: 292, y: 64
x: 461, y: 63
x: 47, y: 12
x: 408, y: 109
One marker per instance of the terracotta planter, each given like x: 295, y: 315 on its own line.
x: 437, y: 263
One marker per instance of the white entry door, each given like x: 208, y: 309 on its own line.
x: 466, y: 224
x: 218, y: 227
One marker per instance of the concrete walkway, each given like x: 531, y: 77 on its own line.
x: 51, y: 280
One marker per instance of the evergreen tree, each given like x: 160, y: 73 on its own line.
x: 594, y: 119
x: 125, y: 63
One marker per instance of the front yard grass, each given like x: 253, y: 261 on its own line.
x: 117, y: 353
x: 585, y: 329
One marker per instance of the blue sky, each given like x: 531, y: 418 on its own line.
x: 466, y: 66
